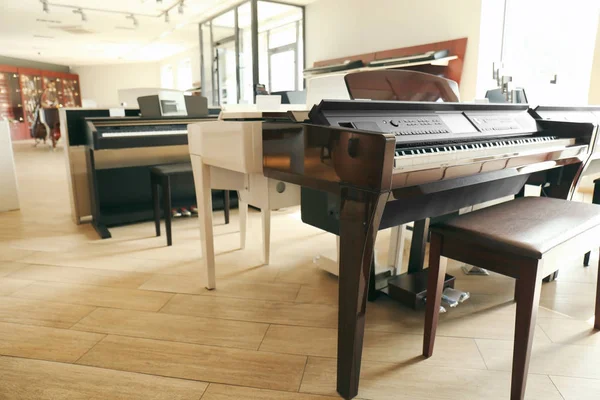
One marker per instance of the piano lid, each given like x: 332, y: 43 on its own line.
x: 566, y: 113
x: 141, y: 121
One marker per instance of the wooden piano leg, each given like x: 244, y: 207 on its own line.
x: 205, y: 218
x: 243, y: 209
x: 265, y: 213
x: 360, y: 216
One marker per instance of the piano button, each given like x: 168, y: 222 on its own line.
x: 394, y: 123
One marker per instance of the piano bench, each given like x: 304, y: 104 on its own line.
x: 521, y: 239
x: 595, y: 200
x: 160, y: 176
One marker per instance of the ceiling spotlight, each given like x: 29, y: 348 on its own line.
x: 167, y: 19
x: 180, y: 7
x: 80, y: 12
x: 45, y: 6
x: 133, y: 19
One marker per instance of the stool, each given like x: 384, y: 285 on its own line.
x: 524, y: 239
x: 161, y: 176
x: 595, y: 200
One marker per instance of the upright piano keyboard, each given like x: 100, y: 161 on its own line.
x: 120, y: 153
x: 368, y: 165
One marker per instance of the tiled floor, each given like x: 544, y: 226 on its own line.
x: 129, y: 318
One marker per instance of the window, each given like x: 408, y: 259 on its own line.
x: 166, y: 77
x: 184, y: 75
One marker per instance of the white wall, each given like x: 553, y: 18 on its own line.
x: 102, y: 82
x: 193, y: 54
x: 594, y: 95
x: 338, y: 28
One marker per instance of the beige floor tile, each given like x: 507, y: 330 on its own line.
x: 570, y: 331
x: 323, y: 294
x: 546, y: 358
x: 205, y: 363
x: 225, y: 288
x: 415, y: 380
x: 42, y: 313
x: 225, y: 392
x: 317, y: 315
x: 8, y: 253
x: 84, y: 276
x: 10, y: 285
x: 378, y: 346
x: 101, y: 260
x: 100, y: 296
x: 577, y: 388
x: 45, y: 343
x: 7, y: 267
x: 43, y: 380
x: 178, y: 328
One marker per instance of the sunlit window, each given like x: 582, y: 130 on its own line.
x: 184, y: 75
x: 166, y: 77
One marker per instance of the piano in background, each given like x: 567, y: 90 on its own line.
x: 382, y: 164
x: 120, y: 152
x: 73, y: 133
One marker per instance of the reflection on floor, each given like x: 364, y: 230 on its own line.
x: 128, y: 318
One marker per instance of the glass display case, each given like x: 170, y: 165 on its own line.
x: 31, y: 90
x: 69, y: 94
x: 22, y: 90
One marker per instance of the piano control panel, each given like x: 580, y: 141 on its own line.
x: 414, y: 124
x: 489, y: 122
x: 417, y: 125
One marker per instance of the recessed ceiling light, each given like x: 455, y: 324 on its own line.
x: 43, y: 37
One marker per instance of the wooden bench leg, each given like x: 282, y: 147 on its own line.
x: 167, y: 207
x: 435, y: 285
x: 156, y: 203
x: 243, y: 212
x: 529, y: 287
x: 597, y: 318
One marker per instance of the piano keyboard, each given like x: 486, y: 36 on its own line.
x: 137, y: 133
x: 464, y: 153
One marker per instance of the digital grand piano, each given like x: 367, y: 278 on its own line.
x: 370, y: 165
x: 120, y: 153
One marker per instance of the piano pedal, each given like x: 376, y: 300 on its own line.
x: 185, y: 212
x: 473, y: 270
x: 175, y: 213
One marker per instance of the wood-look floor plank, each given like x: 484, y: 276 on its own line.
x: 577, y: 388
x: 415, y: 380
x: 546, y: 358
x: 84, y: 276
x: 204, y: 363
x: 45, y: 343
x: 217, y: 391
x: 179, y: 328
x: 10, y: 285
x: 318, y: 315
x: 8, y: 253
x: 42, y: 313
x: 24, y: 379
x: 132, y: 299
x: 225, y: 288
x: 7, y: 267
x: 378, y: 346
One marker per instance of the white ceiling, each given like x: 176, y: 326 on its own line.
x: 61, y: 36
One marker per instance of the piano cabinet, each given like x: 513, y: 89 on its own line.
x: 356, y: 198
